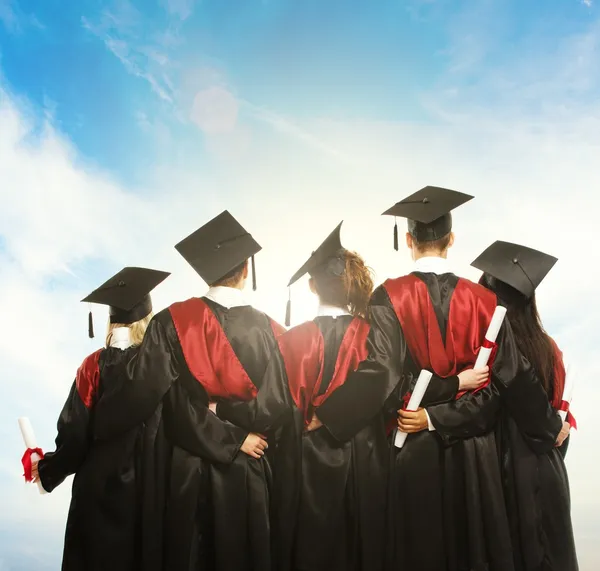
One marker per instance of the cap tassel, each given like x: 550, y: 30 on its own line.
x: 395, y: 235
x: 90, y: 325
x: 288, y: 309
x: 253, y: 275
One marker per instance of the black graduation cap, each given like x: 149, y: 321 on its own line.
x: 428, y: 212
x: 326, y: 258
x: 518, y: 266
x: 127, y: 294
x: 218, y: 247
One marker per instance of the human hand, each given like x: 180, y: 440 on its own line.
x: 254, y: 446
x: 472, y: 379
x: 35, y: 475
x: 563, y: 434
x: 314, y: 423
x: 412, y: 421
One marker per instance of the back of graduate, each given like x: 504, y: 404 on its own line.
x: 445, y: 507
x: 107, y: 507
x: 212, y: 495
x: 329, y: 495
x: 536, y: 485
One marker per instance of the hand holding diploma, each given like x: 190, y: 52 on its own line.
x: 413, y: 404
x: 32, y: 455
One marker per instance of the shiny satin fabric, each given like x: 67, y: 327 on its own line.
x: 205, y: 452
x: 103, y: 528
x: 87, y: 379
x: 328, y: 496
x: 463, y: 323
x: 208, y: 353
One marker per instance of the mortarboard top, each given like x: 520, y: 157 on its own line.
x: 428, y: 212
x: 327, y: 250
x: 518, y: 266
x: 323, y: 258
x: 127, y: 294
x: 218, y: 247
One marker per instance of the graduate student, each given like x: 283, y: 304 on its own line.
x: 330, y: 495
x: 445, y: 506
x: 195, y: 351
x: 102, y: 529
x: 536, y: 485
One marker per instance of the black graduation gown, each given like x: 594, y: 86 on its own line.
x: 446, y: 508
x: 216, y: 500
x: 537, y: 497
x: 107, y: 506
x: 329, y: 495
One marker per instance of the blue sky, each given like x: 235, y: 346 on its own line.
x: 126, y: 125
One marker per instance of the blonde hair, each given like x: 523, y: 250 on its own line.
x: 137, y: 329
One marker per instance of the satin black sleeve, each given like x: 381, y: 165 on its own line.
x: 72, y: 443
x: 523, y: 395
x: 353, y: 405
x: 473, y: 414
x: 273, y: 404
x: 151, y: 372
x: 191, y: 425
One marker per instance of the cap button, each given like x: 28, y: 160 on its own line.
x: 425, y: 200
x: 515, y: 261
x: 121, y: 283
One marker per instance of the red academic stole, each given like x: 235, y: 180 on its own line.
x: 302, y: 349
x: 87, y: 380
x: 471, y: 310
x: 560, y: 374
x: 208, y: 353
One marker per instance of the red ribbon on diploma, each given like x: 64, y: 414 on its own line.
x: 564, y: 406
x: 26, y: 461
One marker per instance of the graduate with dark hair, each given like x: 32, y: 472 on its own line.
x: 107, y: 507
x: 330, y: 494
x: 535, y: 478
x: 214, y: 510
x: 445, y: 506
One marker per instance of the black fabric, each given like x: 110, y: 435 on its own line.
x: 446, y: 508
x: 209, y: 479
x: 329, y: 496
x: 108, y: 503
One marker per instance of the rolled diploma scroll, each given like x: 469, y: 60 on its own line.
x: 413, y: 404
x: 567, y: 393
x: 30, y: 442
x: 491, y: 335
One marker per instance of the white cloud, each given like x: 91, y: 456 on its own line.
x: 587, y: 2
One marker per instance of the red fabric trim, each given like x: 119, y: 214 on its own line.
x: 26, y: 461
x: 208, y: 353
x: 87, y: 379
x: 560, y: 375
x: 302, y: 350
x: 471, y: 310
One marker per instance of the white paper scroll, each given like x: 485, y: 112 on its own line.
x: 491, y: 335
x: 567, y: 393
x: 413, y: 404
x: 30, y: 442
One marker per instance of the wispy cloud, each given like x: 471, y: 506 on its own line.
x: 587, y: 2
x: 180, y: 8
x: 15, y: 20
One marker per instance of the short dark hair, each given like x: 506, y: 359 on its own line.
x: 231, y: 278
x: 438, y: 245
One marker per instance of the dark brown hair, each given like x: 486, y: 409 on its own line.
x: 438, y: 245
x: 232, y: 278
x: 352, y: 289
x: 531, y: 338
